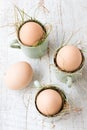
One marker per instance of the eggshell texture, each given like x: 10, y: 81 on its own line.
x: 69, y: 58
x: 30, y: 33
x: 18, y: 75
x: 49, y: 102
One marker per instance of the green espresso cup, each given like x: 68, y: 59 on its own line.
x: 45, y: 101
x: 67, y: 77
x: 49, y: 103
x: 32, y: 51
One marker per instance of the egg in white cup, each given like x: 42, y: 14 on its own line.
x: 68, y: 63
x: 32, y: 38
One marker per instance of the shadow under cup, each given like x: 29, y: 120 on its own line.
x: 30, y: 51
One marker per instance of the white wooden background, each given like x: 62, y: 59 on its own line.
x: 17, y: 111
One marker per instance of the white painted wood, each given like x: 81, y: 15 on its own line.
x: 17, y: 110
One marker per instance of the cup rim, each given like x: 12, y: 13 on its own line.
x: 69, y: 72
x: 62, y: 94
x: 31, y: 46
x: 30, y: 20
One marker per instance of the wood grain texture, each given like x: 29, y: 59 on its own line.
x: 17, y: 110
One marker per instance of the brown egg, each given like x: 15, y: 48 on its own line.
x: 69, y: 58
x: 49, y: 102
x: 18, y: 75
x: 31, y: 33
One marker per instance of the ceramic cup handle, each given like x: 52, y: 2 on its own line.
x: 15, y: 44
x: 69, y: 81
x: 37, y: 84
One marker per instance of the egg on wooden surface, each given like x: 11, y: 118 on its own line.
x: 49, y: 102
x: 19, y: 75
x: 31, y: 33
x: 69, y: 58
